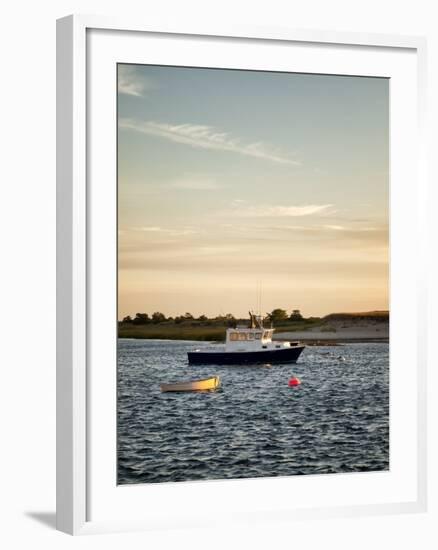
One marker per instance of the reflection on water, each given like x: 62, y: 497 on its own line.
x: 255, y: 425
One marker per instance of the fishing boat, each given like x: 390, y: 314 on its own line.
x: 248, y: 345
x: 194, y: 385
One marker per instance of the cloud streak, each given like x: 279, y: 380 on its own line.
x: 156, y: 230
x: 129, y: 83
x: 206, y: 137
x: 193, y: 184
x: 281, y: 211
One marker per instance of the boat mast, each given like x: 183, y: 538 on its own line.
x: 256, y: 321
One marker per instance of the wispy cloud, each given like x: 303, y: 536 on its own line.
x: 193, y: 184
x: 355, y: 230
x: 150, y: 228
x: 344, y: 236
x: 335, y: 227
x: 238, y: 202
x: 281, y: 211
x: 206, y: 137
x: 129, y: 82
x: 169, y: 231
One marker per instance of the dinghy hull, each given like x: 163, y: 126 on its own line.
x: 194, y: 385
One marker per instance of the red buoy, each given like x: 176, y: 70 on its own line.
x: 294, y: 382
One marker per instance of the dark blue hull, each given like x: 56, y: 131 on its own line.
x: 284, y: 355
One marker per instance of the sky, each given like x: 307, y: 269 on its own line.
x: 230, y: 181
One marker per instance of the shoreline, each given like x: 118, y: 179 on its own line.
x: 306, y: 341
x: 341, y: 341
x: 334, y: 330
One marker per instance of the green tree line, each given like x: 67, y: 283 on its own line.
x: 276, y: 316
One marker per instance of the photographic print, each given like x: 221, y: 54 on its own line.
x: 253, y: 274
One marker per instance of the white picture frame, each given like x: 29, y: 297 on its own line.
x: 78, y: 444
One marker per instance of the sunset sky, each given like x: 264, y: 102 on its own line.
x: 229, y: 180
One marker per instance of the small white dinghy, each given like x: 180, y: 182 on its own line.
x: 194, y: 385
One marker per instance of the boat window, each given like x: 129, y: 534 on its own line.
x: 234, y: 336
x: 250, y: 336
x: 241, y: 336
x: 265, y: 347
x: 258, y: 335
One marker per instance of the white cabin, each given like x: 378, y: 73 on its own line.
x: 253, y: 338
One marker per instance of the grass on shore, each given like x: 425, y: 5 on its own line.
x: 163, y: 331
x: 358, y: 316
x: 199, y: 330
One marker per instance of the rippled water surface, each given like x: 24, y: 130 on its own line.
x: 255, y: 425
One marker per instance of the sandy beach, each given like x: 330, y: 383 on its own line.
x: 341, y: 331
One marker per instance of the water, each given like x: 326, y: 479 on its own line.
x: 337, y: 420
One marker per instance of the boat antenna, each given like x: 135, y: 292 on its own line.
x: 259, y: 298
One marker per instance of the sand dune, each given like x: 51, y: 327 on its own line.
x: 344, y: 330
